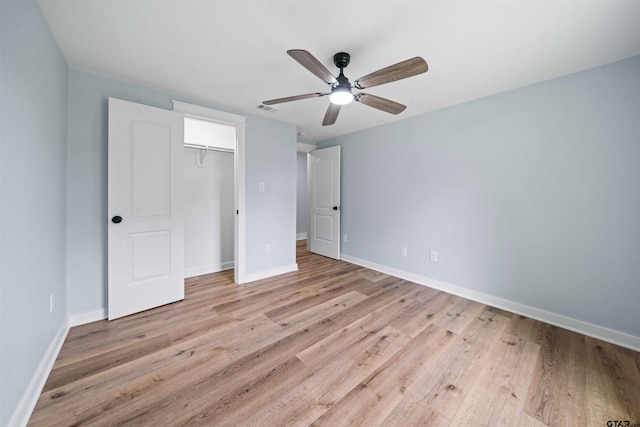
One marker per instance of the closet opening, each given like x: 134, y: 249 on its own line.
x: 209, y: 196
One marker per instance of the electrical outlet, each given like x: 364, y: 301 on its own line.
x: 267, y: 249
x: 51, y: 303
x: 261, y: 186
x: 434, y: 256
x: 403, y: 251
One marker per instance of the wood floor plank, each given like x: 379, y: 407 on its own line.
x: 556, y: 394
x: 611, y: 372
x: 526, y: 328
x: 417, y: 315
x: 498, y: 395
x: 114, y: 337
x: 315, y: 297
x: 198, y: 388
x: 100, y: 336
x: 92, y: 397
x: 527, y: 420
x: 413, y: 413
x: 333, y: 344
x: 375, y: 398
x: 336, y: 378
x: 518, y: 372
x: 458, y: 317
x: 246, y: 399
x: 325, y: 351
x: 278, y: 295
x: 390, y: 290
x: 447, y: 383
x: 373, y: 276
x: 274, y: 347
x: 105, y: 361
x: 396, y: 313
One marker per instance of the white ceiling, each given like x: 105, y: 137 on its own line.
x: 233, y: 53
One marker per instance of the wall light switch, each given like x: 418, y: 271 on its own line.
x: 261, y: 186
x: 403, y: 251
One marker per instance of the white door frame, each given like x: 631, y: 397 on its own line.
x: 239, y: 122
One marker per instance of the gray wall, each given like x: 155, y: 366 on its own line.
x: 302, y: 211
x: 33, y: 137
x: 532, y: 195
x: 270, y: 158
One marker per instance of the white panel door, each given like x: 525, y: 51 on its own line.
x: 146, y: 230
x: 323, y: 168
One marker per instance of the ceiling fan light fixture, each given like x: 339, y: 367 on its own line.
x: 341, y: 89
x: 341, y: 96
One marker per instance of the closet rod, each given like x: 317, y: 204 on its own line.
x: 202, y: 147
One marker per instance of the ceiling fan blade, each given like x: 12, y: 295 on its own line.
x: 293, y: 98
x: 331, y: 115
x: 309, y: 62
x: 380, y: 103
x: 398, y: 71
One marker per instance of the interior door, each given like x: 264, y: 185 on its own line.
x: 323, y: 168
x: 145, y: 231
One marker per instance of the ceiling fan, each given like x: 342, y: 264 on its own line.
x: 341, y: 89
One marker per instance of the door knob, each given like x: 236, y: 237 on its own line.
x: 116, y: 219
x: 335, y: 208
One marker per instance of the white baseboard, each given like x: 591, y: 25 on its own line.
x: 605, y: 334
x: 207, y: 269
x: 301, y: 236
x: 251, y: 277
x: 31, y: 395
x: 88, y: 317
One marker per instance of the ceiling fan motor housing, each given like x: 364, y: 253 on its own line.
x: 341, y: 59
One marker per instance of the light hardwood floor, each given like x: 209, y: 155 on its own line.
x: 334, y: 344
